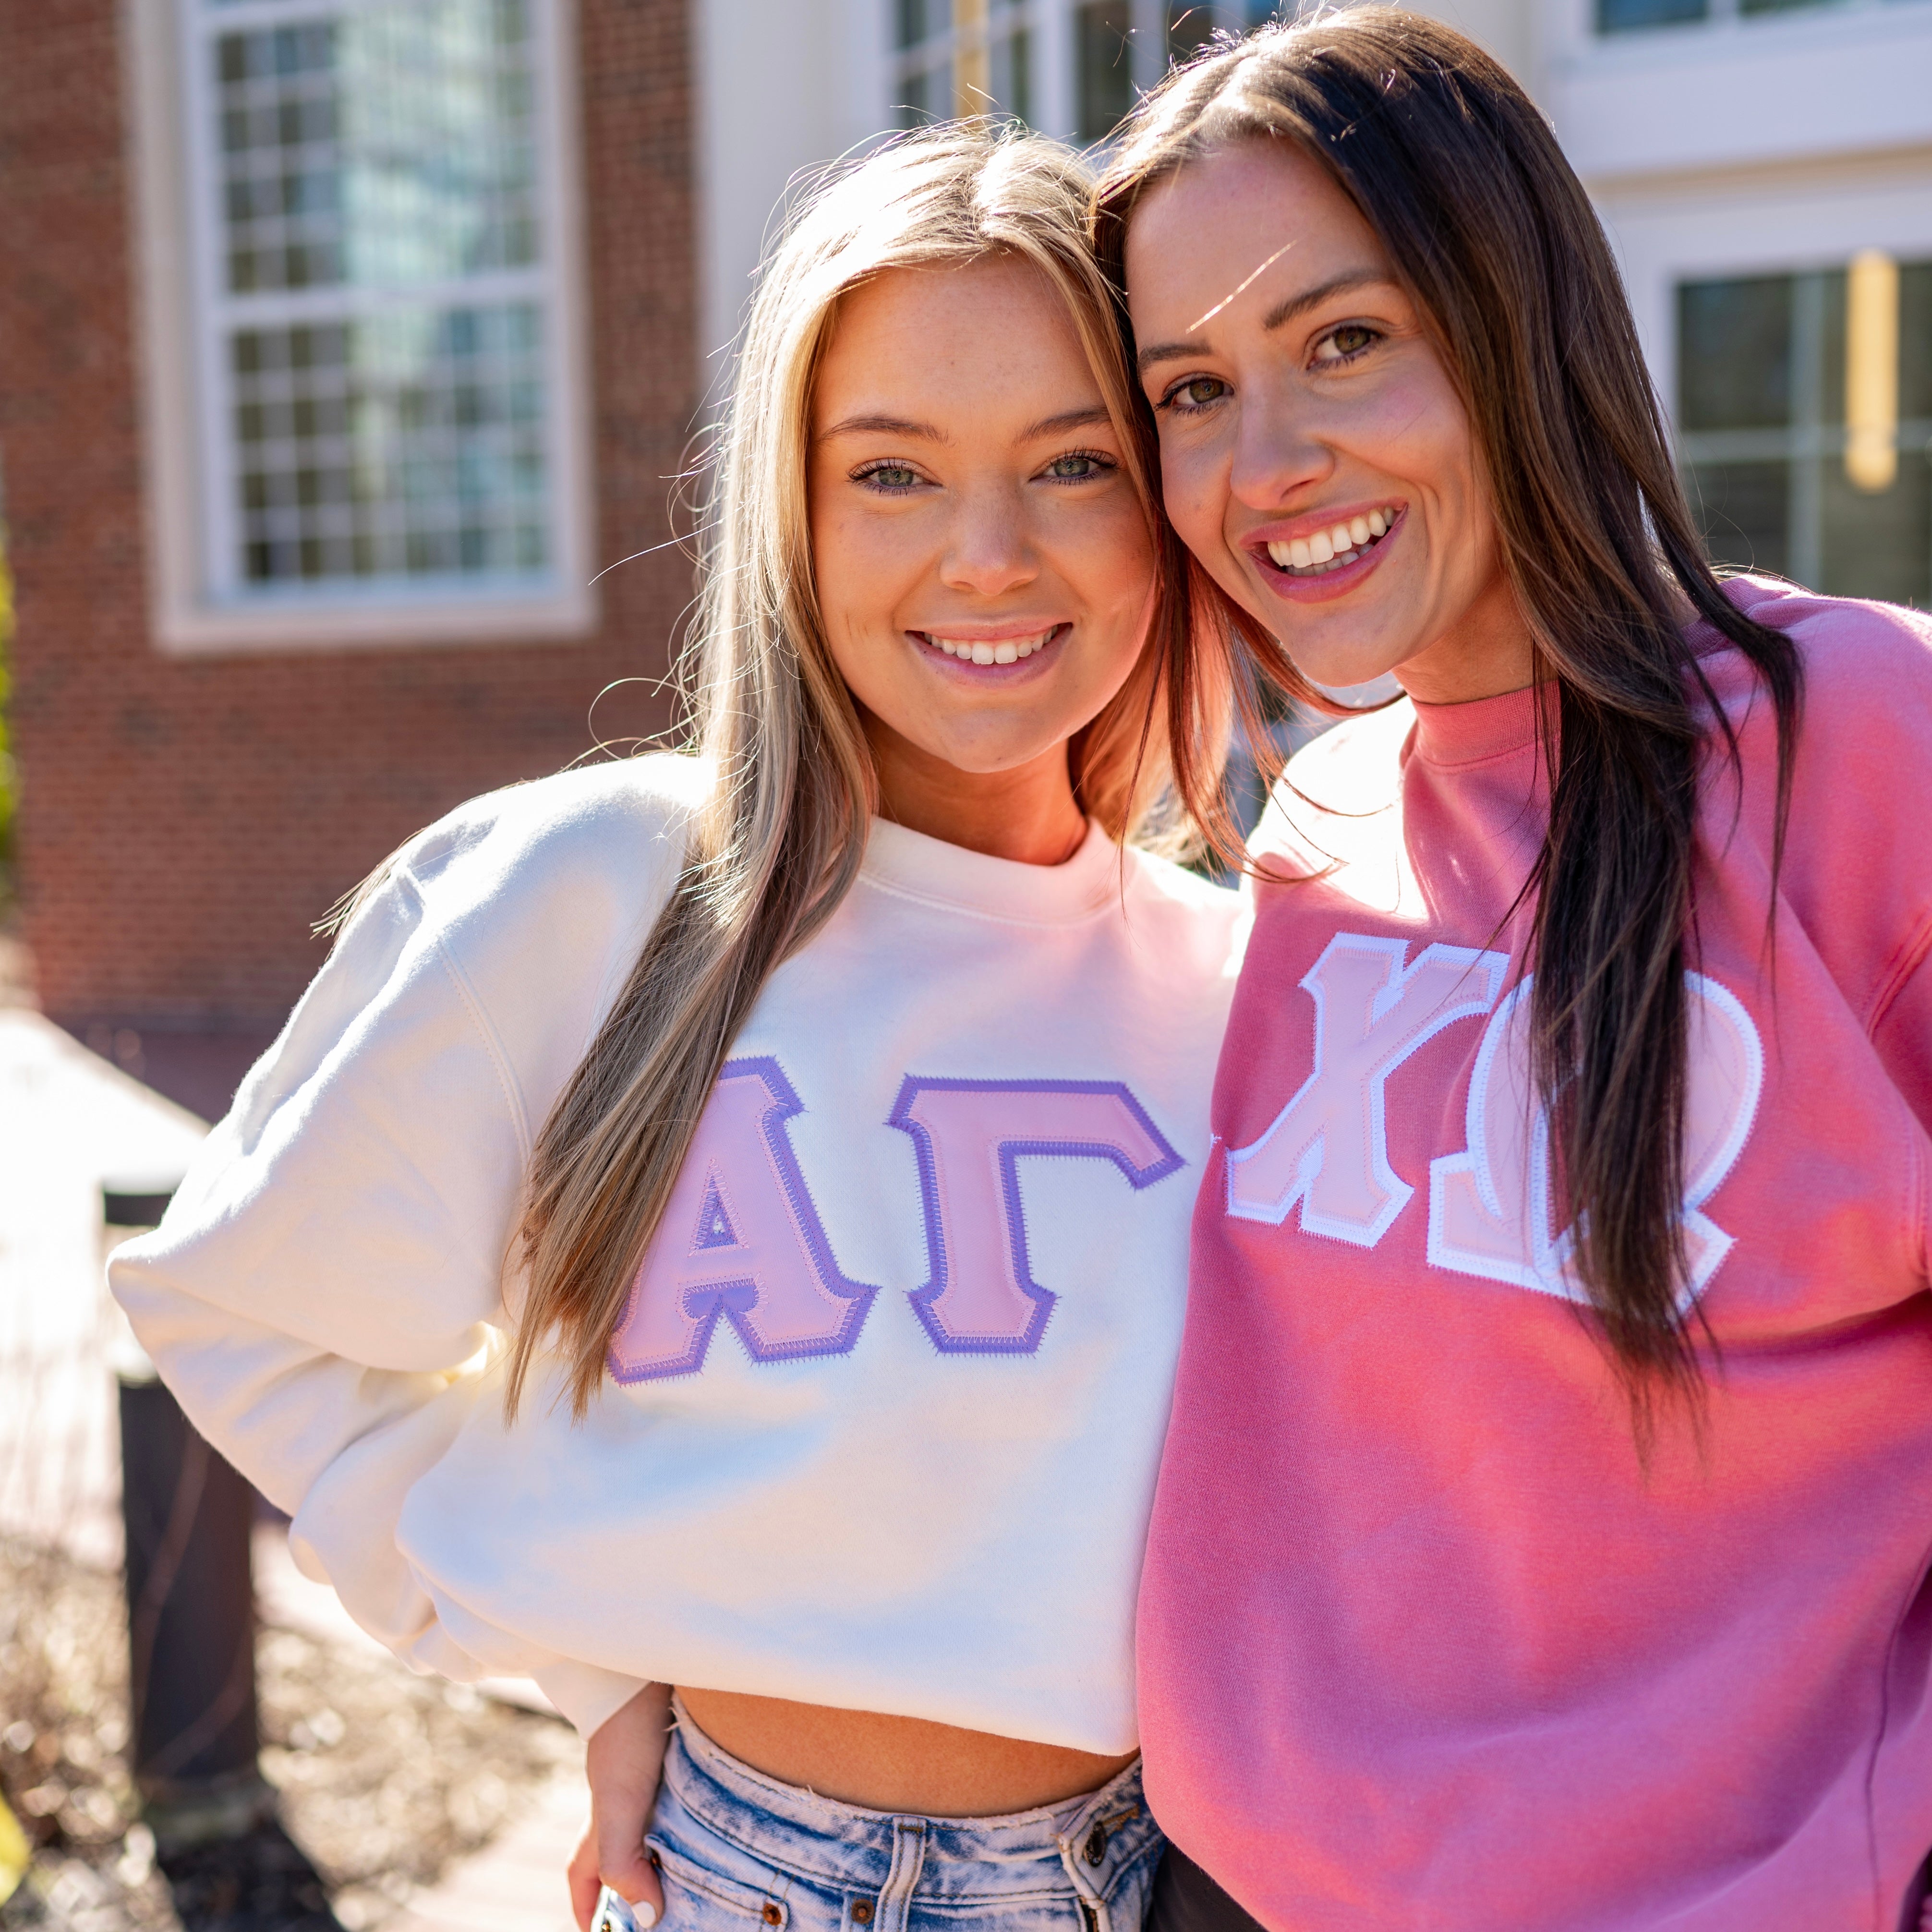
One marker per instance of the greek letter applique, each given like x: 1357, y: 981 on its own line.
x: 1490, y: 1211
x: 741, y: 1240
x: 980, y: 1298
x: 1328, y: 1147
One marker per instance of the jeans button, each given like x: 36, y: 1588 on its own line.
x: 861, y: 1911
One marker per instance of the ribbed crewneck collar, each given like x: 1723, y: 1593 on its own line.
x: 909, y: 862
x: 1485, y: 727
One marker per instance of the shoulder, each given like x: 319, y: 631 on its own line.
x: 614, y: 827
x: 1203, y: 923
x: 1867, y: 666
x: 1332, y: 797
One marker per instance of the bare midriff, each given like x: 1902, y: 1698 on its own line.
x: 902, y: 1765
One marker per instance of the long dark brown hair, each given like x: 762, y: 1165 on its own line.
x: 1461, y: 179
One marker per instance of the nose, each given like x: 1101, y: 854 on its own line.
x: 1278, y: 451
x: 990, y: 550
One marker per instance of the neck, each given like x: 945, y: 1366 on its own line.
x: 1487, y: 651
x: 1027, y: 814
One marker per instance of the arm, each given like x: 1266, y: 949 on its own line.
x: 624, y: 1763
x: 326, y: 1295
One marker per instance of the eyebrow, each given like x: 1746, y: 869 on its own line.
x: 1282, y: 312
x: 879, y: 425
x: 1067, y: 419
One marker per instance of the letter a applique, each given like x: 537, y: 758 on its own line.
x: 740, y: 1239
x: 980, y: 1298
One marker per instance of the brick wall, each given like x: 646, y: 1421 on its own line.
x: 185, y: 820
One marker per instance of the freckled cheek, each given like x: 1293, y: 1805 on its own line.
x: 1195, y: 496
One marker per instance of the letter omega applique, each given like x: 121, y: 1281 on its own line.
x: 1490, y: 1211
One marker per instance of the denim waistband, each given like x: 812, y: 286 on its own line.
x: 1077, y: 1847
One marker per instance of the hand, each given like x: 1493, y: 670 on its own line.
x: 623, y: 1762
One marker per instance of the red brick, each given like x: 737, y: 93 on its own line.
x: 185, y: 820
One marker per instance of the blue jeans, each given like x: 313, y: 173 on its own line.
x: 738, y: 1852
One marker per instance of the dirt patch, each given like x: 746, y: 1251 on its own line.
x: 384, y: 1777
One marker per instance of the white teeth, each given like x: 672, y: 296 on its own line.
x: 1005, y: 651
x: 1331, y: 549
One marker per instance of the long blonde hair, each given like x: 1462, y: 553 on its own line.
x: 777, y: 841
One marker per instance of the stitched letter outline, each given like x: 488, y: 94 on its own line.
x: 742, y: 1239
x: 980, y: 1298
x: 1490, y: 1211
x: 1328, y: 1147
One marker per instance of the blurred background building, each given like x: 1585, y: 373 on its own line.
x: 344, y: 344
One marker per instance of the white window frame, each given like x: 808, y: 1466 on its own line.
x: 1053, y: 28
x: 190, y: 460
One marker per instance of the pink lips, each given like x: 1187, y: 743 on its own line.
x: 931, y: 646
x: 1330, y: 584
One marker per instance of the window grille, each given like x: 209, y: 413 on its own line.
x: 377, y: 297
x: 962, y: 57
x: 1804, y: 425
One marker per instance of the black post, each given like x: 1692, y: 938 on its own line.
x: 191, y: 1604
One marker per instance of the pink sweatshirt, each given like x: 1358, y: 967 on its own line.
x: 1422, y: 1644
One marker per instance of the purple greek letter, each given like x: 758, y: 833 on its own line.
x: 740, y: 1238
x: 980, y: 1298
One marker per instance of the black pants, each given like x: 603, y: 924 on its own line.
x: 1187, y: 1899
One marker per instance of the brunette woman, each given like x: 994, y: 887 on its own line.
x: 1542, y: 1537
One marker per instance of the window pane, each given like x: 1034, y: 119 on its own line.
x: 1189, y: 29
x: 1626, y: 16
x: 389, y: 145
x: 405, y: 444
x: 926, y: 96
x: 1106, y: 71
x: 1915, y: 342
x: 1878, y: 544
x: 1744, y: 511
x: 1734, y: 354
x: 921, y: 20
x: 1011, y: 74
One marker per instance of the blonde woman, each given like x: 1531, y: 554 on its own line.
x: 719, y: 1219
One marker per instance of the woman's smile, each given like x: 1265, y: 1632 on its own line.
x: 998, y: 649
x: 1324, y: 555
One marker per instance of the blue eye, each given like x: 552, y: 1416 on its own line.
x: 1077, y: 466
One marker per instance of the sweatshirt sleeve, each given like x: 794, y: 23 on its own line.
x: 326, y: 1295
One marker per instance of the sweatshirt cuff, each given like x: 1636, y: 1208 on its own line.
x: 585, y: 1694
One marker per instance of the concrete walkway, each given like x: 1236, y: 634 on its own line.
x: 516, y: 1882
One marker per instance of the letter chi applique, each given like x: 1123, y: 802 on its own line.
x: 741, y: 1238
x: 970, y: 1135
x: 1328, y: 1147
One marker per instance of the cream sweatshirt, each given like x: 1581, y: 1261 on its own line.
x: 883, y: 1414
